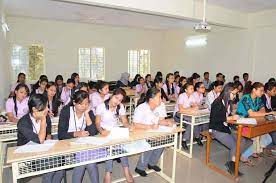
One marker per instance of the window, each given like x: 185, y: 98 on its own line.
x: 138, y: 62
x: 29, y: 60
x: 91, y: 63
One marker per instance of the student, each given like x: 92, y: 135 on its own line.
x: 169, y: 87
x: 75, y: 77
x: 238, y: 85
x: 67, y: 91
x: 141, y: 87
x: 214, y: 93
x: 159, y: 75
x: 53, y: 102
x: 198, y: 94
x: 149, y: 82
x: 59, y: 83
x: 36, y: 126
x: 124, y: 80
x: 82, y: 86
x: 134, y: 82
x: 176, y: 73
x: 187, y: 103
x: 236, y: 79
x: 220, y: 114
x: 206, y: 81
x: 77, y: 120
x: 158, y: 84
x: 251, y: 105
x: 17, y: 106
x: 176, y: 80
x: 149, y: 114
x: 107, y: 117
x: 182, y: 82
x: 219, y: 77
x: 100, y: 96
x: 92, y: 87
x: 247, y: 87
x: 41, y: 87
x: 36, y: 85
x: 270, y: 91
x: 245, y: 77
x: 21, y: 78
x: 194, y: 78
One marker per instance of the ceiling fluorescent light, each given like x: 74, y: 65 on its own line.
x: 196, y: 41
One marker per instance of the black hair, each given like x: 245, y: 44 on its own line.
x: 256, y: 85
x: 82, y: 84
x: 100, y: 85
x: 236, y: 77
x: 180, y: 80
x: 184, y: 88
x: 194, y: 76
x: 50, y: 84
x: 245, y: 74
x: 151, y: 93
x: 176, y: 73
x: 137, y: 76
x: 157, y: 80
x: 148, y: 75
x: 271, y: 80
x: 43, y: 80
x: 138, y: 80
x: 167, y: 83
x: 219, y: 74
x: 237, y: 84
x: 117, y: 91
x: 159, y: 75
x: 36, y: 85
x: 218, y: 83
x: 225, y: 95
x: 176, y: 76
x: 92, y: 84
x: 269, y: 86
x: 58, y: 77
x: 20, y: 74
x: 205, y: 73
x: 197, y: 85
x: 79, y: 96
x: 247, y: 87
x: 70, y: 81
x: 74, y: 75
x: 20, y: 85
x: 37, y: 101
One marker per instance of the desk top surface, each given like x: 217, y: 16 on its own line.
x: 260, y: 121
x: 196, y: 113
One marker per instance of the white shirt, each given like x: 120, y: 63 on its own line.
x: 268, y: 101
x: 36, y: 125
x: 184, y: 100
x: 109, y: 119
x: 144, y: 115
x: 210, y: 98
x: 96, y: 99
x: 75, y: 123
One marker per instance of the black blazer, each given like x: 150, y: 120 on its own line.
x: 63, y: 124
x: 264, y: 100
x: 163, y: 95
x: 218, y: 117
x: 273, y: 103
x: 55, y: 105
x: 25, y: 132
x: 150, y: 84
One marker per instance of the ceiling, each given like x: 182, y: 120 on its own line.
x: 248, y: 6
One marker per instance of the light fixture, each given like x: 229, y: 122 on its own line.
x: 196, y: 41
x: 5, y: 27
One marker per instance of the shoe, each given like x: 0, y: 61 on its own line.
x: 155, y: 168
x: 198, y: 141
x: 184, y: 145
x: 142, y: 173
x: 118, y: 160
x: 230, y: 165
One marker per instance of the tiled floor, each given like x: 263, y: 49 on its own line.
x: 187, y: 170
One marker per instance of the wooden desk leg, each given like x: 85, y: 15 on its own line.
x: 208, y: 144
x: 238, y: 151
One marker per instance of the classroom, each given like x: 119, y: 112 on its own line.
x: 175, y: 91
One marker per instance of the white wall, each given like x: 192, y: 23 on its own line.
x: 61, y: 41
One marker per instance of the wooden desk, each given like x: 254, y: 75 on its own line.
x: 63, y: 154
x: 198, y: 117
x: 263, y: 127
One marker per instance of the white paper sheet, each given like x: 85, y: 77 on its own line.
x: 118, y: 133
x: 164, y: 129
x: 251, y: 121
x: 141, y: 145
x: 92, y: 140
x: 32, y: 147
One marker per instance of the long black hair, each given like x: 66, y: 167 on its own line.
x: 117, y: 91
x: 168, y: 86
x: 100, y: 85
x: 194, y: 76
x: 225, y: 95
x: 180, y: 81
x: 19, y: 86
x: 20, y: 74
x: 37, y: 101
x: 151, y: 93
x: 183, y: 89
x: 55, y: 102
x: 78, y: 97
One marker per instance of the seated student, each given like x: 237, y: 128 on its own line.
x: 251, y: 105
x: 220, y: 114
x: 36, y: 126
x: 149, y: 114
x: 236, y: 79
x: 247, y: 87
x: 206, y: 81
x: 75, y: 77
x: 67, y: 92
x: 92, y: 87
x: 169, y: 87
x: 176, y: 73
x: 176, y: 80
x: 198, y: 93
x: 82, y: 86
x: 141, y: 87
x: 214, y: 93
x: 194, y: 78
x: 270, y: 91
x: 21, y: 78
x: 245, y: 77
x: 41, y: 87
x: 100, y: 96
x: 124, y: 80
x: 107, y: 117
x: 182, y: 82
x: 240, y: 92
x: 53, y: 102
x: 159, y: 75
x: 219, y: 77
x: 36, y: 85
x: 77, y: 120
x: 17, y: 106
x: 187, y: 103
x: 59, y: 83
x: 149, y: 82
x: 134, y: 82
x: 158, y: 84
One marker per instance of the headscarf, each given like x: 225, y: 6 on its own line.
x: 124, y: 78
